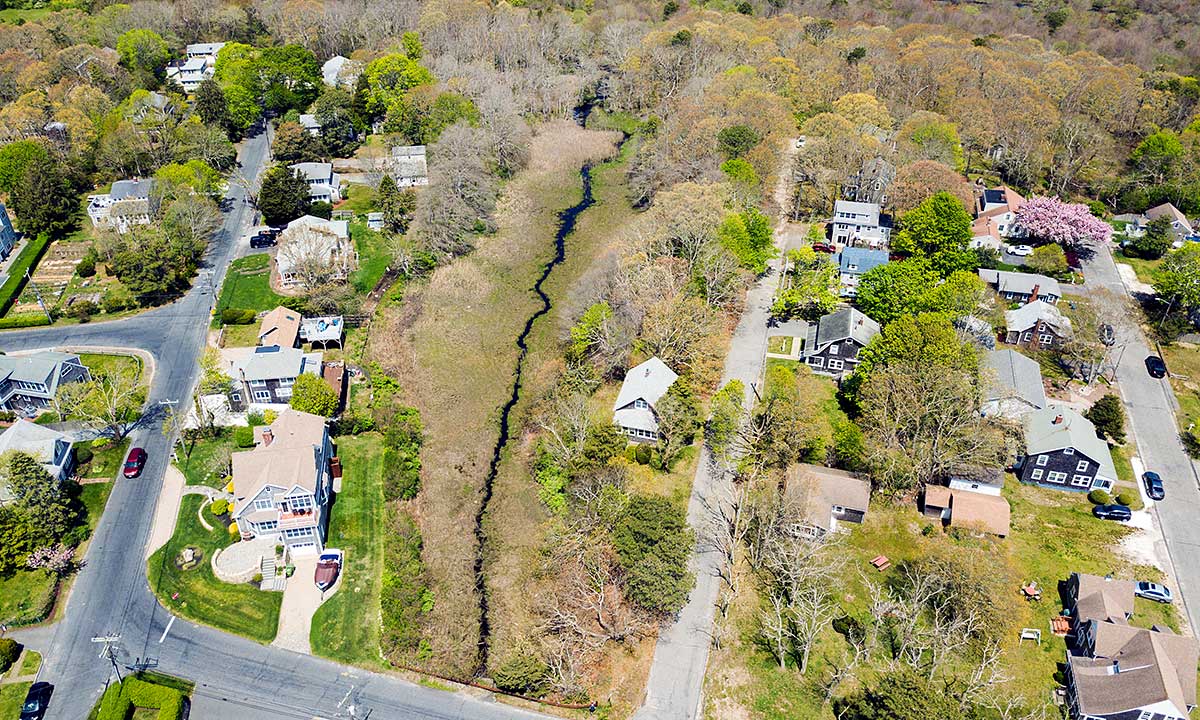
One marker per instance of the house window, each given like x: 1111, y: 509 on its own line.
x: 1043, y: 459
x: 834, y: 364
x: 235, y: 397
x: 258, y: 383
x: 1068, y: 451
x: 1045, y: 339
x: 300, y: 502
x: 266, y: 525
x: 1082, y: 466
x: 833, y: 349
x: 1036, y: 474
x: 817, y: 362
x: 838, y: 509
x: 1056, y: 477
x: 262, y: 395
x: 1081, y: 480
x: 263, y: 504
x: 1026, y: 337
x: 640, y: 404
x: 287, y: 382
x: 293, y: 533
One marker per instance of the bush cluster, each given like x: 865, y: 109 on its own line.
x: 405, y: 595
x: 243, y: 436
x: 1099, y: 497
x: 219, y: 507
x: 16, y: 272
x: 238, y: 316
x: 523, y: 673
x: 10, y: 650
x: 402, y: 455
x: 83, y: 454
x: 120, y: 699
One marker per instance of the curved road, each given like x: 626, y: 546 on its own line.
x: 235, y: 677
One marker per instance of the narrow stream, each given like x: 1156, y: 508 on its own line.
x: 566, y: 225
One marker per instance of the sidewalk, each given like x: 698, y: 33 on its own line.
x: 167, y: 511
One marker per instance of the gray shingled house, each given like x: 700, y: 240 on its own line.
x: 644, y: 386
x: 29, y: 382
x: 833, y: 343
x: 1013, y: 385
x: 1062, y: 451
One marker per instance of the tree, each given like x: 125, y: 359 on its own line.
x: 653, y: 542
x: 15, y: 157
x: 113, y: 400
x: 44, y: 199
x: 895, y: 290
x: 810, y: 288
x: 295, y: 144
x: 242, y: 108
x: 901, y: 694
x: 748, y: 236
x: 939, y: 228
x: 678, y: 420
x: 311, y: 394
x: 143, y: 50
x: 1048, y: 260
x: 334, y: 110
x: 1156, y: 241
x: 389, y: 78
x: 743, y: 179
x: 195, y: 176
x: 918, y: 181
x: 1055, y: 19
x: 38, y: 496
x: 1177, y: 279
x: 725, y: 417
x: 209, y: 104
x: 1157, y: 155
x: 58, y: 559
x: 1071, y: 225
x: 961, y: 294
x: 284, y: 195
x: 1108, y: 415
x: 17, y: 539
x: 737, y: 140
x: 396, y: 205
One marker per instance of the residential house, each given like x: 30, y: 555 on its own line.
x: 279, y: 327
x: 870, y: 183
x: 967, y: 509
x: 985, y: 234
x: 1092, y: 597
x: 853, y: 263
x: 307, y: 239
x: 198, y: 66
x: 340, y: 71
x: 127, y: 203
x: 1013, y: 386
x: 833, y: 343
x: 1179, y: 222
x: 309, y: 122
x: 644, y: 386
x: 8, y: 236
x: 282, y: 486
x: 323, y: 331
x: 996, y: 214
x: 29, y: 382
x: 1062, y: 451
x: 150, y: 106
x: 1118, y: 672
x: 51, y: 447
x: 408, y: 166
x: 1022, y: 287
x: 1036, y: 325
x: 323, y: 182
x: 827, y: 496
x: 265, y: 375
x: 375, y: 221
x: 859, y: 225
x: 977, y: 479
x: 204, y: 51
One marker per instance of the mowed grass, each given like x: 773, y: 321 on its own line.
x: 208, y: 461
x: 109, y: 364
x: 107, y: 461
x: 248, y: 285
x: 241, y: 335
x: 346, y: 627
x: 360, y: 199
x: 241, y: 609
x: 12, y: 697
x: 373, y: 257
x: 31, y: 662
x: 1183, y: 362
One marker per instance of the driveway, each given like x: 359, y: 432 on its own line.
x: 301, y: 599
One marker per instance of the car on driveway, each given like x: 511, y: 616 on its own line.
x: 262, y: 240
x: 36, y: 700
x: 1154, y: 485
x: 1112, y: 512
x: 1020, y: 250
x: 1155, y: 366
x: 824, y: 247
x: 134, y: 463
x: 1153, y: 591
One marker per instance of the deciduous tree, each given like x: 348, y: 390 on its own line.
x: 311, y: 394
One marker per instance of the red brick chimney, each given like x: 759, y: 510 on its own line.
x: 1033, y: 294
x: 268, y: 436
x: 1057, y: 420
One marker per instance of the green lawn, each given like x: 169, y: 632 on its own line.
x: 12, y: 15
x: 241, y: 335
x: 248, y: 285
x: 241, y: 609
x: 1183, y: 362
x: 105, y: 461
x: 1142, y: 267
x: 360, y: 199
x: 779, y: 344
x: 346, y: 627
x: 105, y: 364
x: 208, y: 462
x: 12, y: 697
x: 31, y: 662
x: 373, y: 257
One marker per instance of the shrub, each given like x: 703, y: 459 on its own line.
x: 243, y: 437
x: 1108, y: 415
x: 24, y: 320
x: 1099, y: 497
x: 83, y: 454
x: 257, y: 578
x: 87, y: 264
x: 83, y: 310
x: 10, y: 650
x: 523, y: 673
x: 404, y: 595
x: 233, y: 529
x: 311, y: 394
x: 7, y: 416
x: 270, y: 416
x: 642, y: 454
x: 74, y: 537
x: 24, y: 262
x: 1126, y: 498
x: 219, y: 507
x: 254, y: 418
x: 653, y: 543
x: 238, y: 316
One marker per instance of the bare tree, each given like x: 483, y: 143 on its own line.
x: 314, y: 256
x: 112, y: 401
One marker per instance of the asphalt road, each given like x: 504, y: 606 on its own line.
x: 1150, y: 406
x: 235, y: 678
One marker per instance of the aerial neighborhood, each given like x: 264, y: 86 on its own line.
x: 707, y: 360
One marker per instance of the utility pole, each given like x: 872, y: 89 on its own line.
x: 37, y: 293
x: 109, y: 642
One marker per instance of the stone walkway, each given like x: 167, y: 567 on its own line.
x: 242, y: 560
x: 300, y: 601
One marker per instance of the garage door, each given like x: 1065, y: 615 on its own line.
x: 309, y: 548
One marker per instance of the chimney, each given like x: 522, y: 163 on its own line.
x: 1057, y: 420
x: 1033, y: 294
x: 1116, y: 667
x: 267, y: 436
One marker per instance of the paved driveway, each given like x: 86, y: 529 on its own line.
x: 301, y: 599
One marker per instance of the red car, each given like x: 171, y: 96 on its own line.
x: 824, y: 247
x: 135, y: 462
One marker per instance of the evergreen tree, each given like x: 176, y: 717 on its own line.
x: 284, y: 196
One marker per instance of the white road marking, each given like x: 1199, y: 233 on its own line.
x: 167, y: 629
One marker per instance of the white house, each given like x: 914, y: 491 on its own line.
x: 644, y: 386
x: 859, y: 225
x: 309, y: 122
x: 309, y: 240
x: 47, y: 445
x: 126, y: 204
x: 8, y: 236
x: 408, y: 166
x: 342, y: 71
x: 996, y: 217
x: 204, y: 51
x: 322, y: 181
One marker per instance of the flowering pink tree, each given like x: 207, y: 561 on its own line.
x: 1069, y: 224
x: 58, y: 559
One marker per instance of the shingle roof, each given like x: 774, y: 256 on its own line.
x: 272, y: 362
x: 289, y: 460
x: 1028, y: 315
x: 820, y: 488
x: 1134, y: 668
x: 1007, y: 199
x: 1102, y: 598
x: 648, y: 381
x: 842, y: 325
x: 131, y: 189
x: 1019, y: 282
x: 279, y: 327
x: 41, y: 442
x: 1014, y: 376
x: 313, y: 170
x: 870, y: 210
x: 41, y: 367
x: 1169, y: 211
x: 989, y: 513
x: 1057, y: 426
x: 857, y: 261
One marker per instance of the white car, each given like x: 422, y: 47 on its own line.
x: 1020, y: 250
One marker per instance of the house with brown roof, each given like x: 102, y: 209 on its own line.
x: 279, y: 327
x: 1091, y: 597
x: 996, y: 217
x: 1118, y: 672
x: 282, y: 486
x: 827, y: 496
x: 976, y: 511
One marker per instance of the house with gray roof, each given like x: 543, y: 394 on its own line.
x: 265, y: 375
x: 1022, y: 287
x: 833, y: 343
x: 127, y: 203
x: 853, y: 263
x: 340, y: 70
x: 29, y: 382
x: 408, y: 166
x: 644, y: 386
x: 309, y: 122
x: 1063, y: 451
x: 323, y: 182
x: 1013, y: 386
x: 1117, y: 672
x: 859, y: 224
x: 51, y: 447
x: 8, y: 236
x: 1180, y: 225
x: 1036, y: 325
x: 827, y: 496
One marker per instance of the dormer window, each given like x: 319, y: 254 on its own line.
x: 640, y: 404
x: 833, y: 349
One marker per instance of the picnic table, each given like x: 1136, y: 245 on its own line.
x: 881, y: 562
x: 1031, y: 591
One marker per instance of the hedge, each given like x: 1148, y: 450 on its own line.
x: 238, y: 316
x: 10, y: 650
x: 120, y: 698
x: 24, y: 320
x: 27, y: 260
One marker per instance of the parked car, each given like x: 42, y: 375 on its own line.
x: 329, y: 565
x: 36, y: 700
x: 1112, y: 512
x: 1154, y: 485
x: 1107, y: 335
x: 1020, y: 250
x: 1155, y: 366
x: 824, y: 247
x: 1153, y: 591
x: 262, y: 240
x: 135, y: 462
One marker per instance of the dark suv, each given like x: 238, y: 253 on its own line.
x: 262, y: 240
x: 1156, y: 367
x: 1154, y: 485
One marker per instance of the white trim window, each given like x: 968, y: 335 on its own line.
x: 817, y: 361
x: 1068, y: 451
x: 295, y: 533
x: 833, y: 349
x: 266, y: 525
x: 835, y: 364
x: 300, y: 502
x: 1042, y: 460
x: 287, y: 382
x: 640, y: 404
x: 235, y: 397
x: 1081, y: 480
x: 258, y: 383
x: 1036, y: 474
x: 262, y: 395
x: 1082, y: 466
x: 263, y: 504
x: 1056, y: 477
x: 1045, y: 339
x: 1026, y: 336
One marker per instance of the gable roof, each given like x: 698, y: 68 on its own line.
x: 990, y: 513
x: 1015, y: 377
x: 1019, y: 282
x: 138, y: 189
x: 279, y: 327
x: 308, y: 121
x: 314, y: 170
x: 40, y: 367
x: 1132, y: 668
x: 845, y: 324
x: 820, y: 488
x: 870, y: 210
x: 857, y: 260
x: 43, y: 443
x: 1028, y: 315
x: 648, y: 381
x: 1102, y: 598
x: 272, y: 362
x: 1002, y: 199
x: 288, y: 460
x: 1056, y: 427
x: 1169, y: 211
